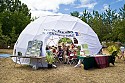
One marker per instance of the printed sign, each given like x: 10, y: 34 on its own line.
x: 61, y: 33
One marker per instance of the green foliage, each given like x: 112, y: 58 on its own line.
x: 49, y: 58
x: 65, y: 40
x: 0, y: 30
x: 86, y: 16
x: 1, y: 41
x: 14, y: 17
x: 111, y: 49
x: 122, y: 12
x: 4, y: 39
x: 109, y: 25
x: 75, y: 13
x: 13, y: 35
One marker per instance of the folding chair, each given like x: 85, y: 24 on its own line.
x: 60, y: 57
x: 73, y: 58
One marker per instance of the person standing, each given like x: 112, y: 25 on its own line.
x: 122, y: 49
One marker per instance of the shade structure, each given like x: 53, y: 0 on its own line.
x: 62, y: 26
x: 53, y: 41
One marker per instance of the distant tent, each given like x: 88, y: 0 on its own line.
x: 45, y: 27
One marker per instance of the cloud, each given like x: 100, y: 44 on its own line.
x: 81, y: 13
x: 115, y: 2
x: 117, y: 14
x: 43, y: 13
x: 118, y: 0
x: 105, y: 7
x: 87, y: 4
x: 45, y: 6
x: 66, y: 9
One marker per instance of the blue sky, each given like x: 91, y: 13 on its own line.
x: 48, y: 7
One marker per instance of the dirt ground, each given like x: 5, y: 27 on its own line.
x: 64, y: 73
x: 6, y: 51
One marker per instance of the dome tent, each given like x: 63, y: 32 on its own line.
x: 38, y: 30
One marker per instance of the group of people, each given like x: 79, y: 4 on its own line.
x: 64, y: 53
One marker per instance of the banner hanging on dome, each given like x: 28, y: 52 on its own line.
x: 61, y: 33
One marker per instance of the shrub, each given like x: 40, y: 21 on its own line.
x: 113, y: 48
x: 49, y: 58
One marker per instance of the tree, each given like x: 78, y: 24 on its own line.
x: 1, y: 41
x: 13, y: 36
x: 86, y: 16
x: 0, y: 30
x: 122, y: 12
x: 75, y: 13
x: 96, y: 23
x: 65, y: 40
x: 109, y: 18
x: 14, y: 14
x: 14, y: 17
x: 109, y: 25
x: 119, y: 26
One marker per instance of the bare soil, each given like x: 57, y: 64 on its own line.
x: 64, y: 73
x: 6, y: 51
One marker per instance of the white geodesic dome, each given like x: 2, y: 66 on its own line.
x: 34, y: 31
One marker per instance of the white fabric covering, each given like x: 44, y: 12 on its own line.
x: 57, y: 22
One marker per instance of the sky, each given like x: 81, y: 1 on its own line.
x: 52, y: 7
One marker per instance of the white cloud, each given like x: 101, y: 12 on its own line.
x: 80, y: 13
x: 117, y: 14
x: 89, y: 11
x: 105, y: 7
x: 87, y: 4
x: 42, y: 13
x: 66, y: 9
x: 45, y: 6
